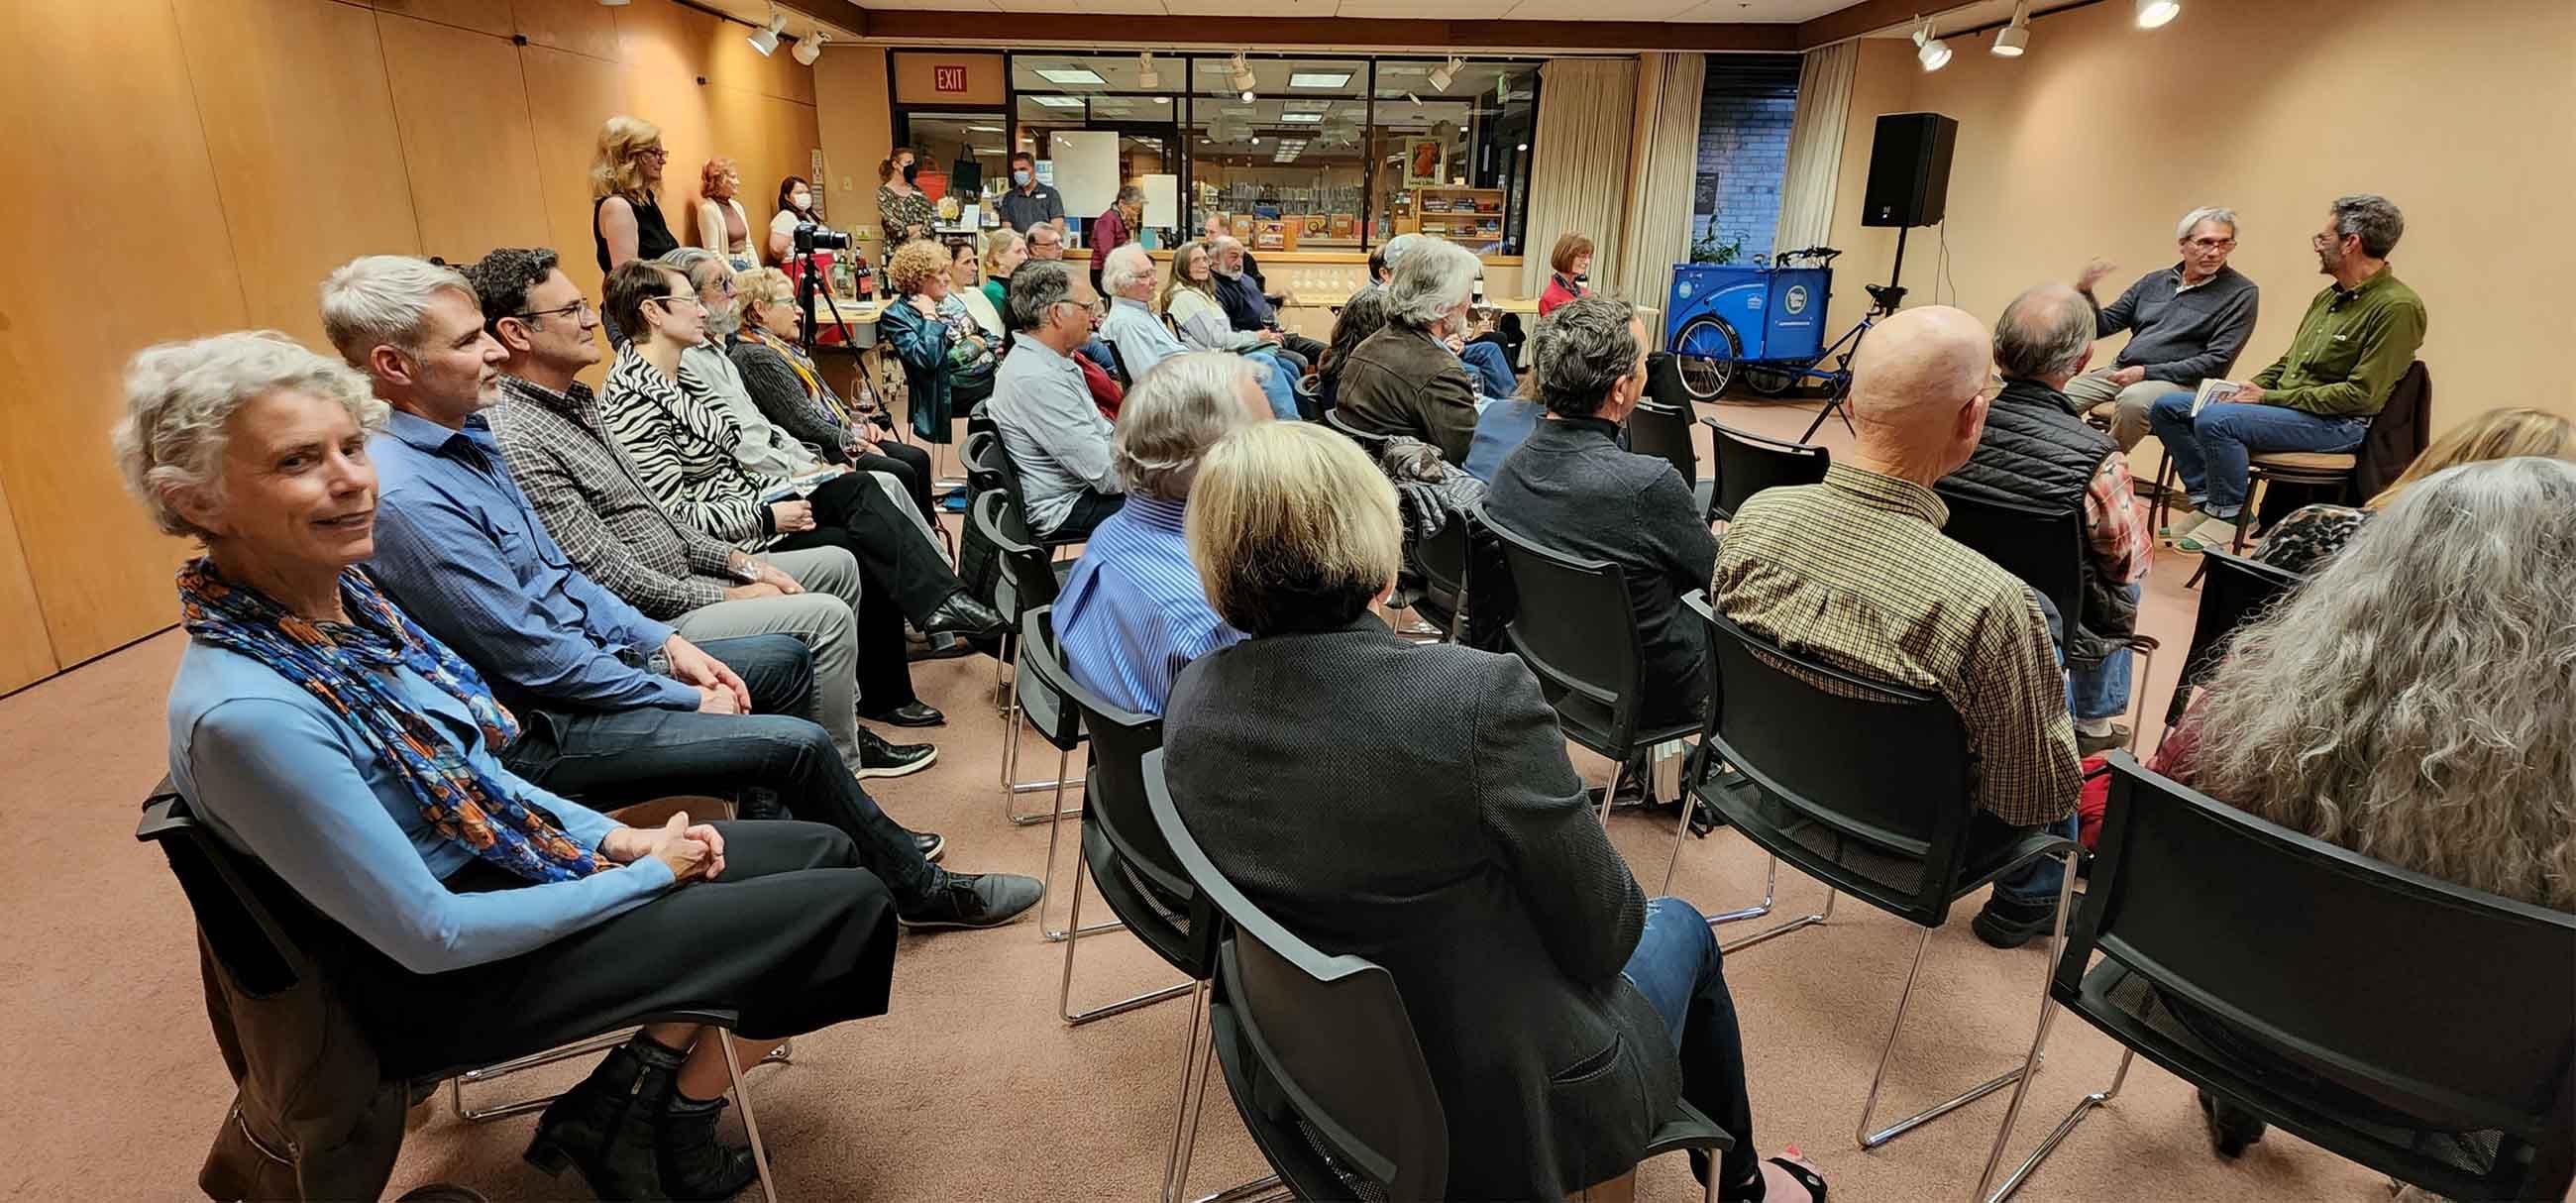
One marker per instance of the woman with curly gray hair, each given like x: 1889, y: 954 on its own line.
x: 2410, y: 701
x: 318, y: 730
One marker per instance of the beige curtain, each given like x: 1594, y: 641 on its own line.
x: 1664, y: 164
x: 1816, y: 146
x: 1580, y: 179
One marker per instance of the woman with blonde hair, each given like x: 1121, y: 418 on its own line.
x: 1439, y: 777
x: 2410, y: 701
x: 948, y: 364
x: 2312, y: 534
x: 723, y: 226
x: 790, y: 390
x: 1005, y: 249
x: 625, y: 175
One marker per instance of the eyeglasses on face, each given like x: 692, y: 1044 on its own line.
x: 655, y: 153
x: 581, y: 307
x: 2213, y: 244
x: 681, y: 296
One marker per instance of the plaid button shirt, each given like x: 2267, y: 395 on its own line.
x: 1856, y: 572
x: 590, y: 500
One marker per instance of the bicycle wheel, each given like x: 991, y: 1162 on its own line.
x: 1706, y: 352
x: 1770, y: 381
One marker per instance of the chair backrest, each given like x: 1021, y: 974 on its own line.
x: 2234, y: 591
x: 1371, y: 443
x: 231, y: 896
x: 1664, y: 384
x: 1745, y: 464
x: 1573, y: 626
x: 2400, y: 432
x: 1665, y: 433
x: 1866, y: 785
x: 983, y: 470
x: 1044, y: 688
x: 1118, y: 364
x: 1329, y: 1035
x: 2445, y: 1005
x: 2043, y: 547
x: 1443, y: 559
x: 1028, y: 579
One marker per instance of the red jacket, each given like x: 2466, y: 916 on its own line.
x: 1559, y: 291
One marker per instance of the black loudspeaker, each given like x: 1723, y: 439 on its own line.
x: 1909, y: 170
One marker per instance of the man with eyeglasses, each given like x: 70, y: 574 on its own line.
x: 1056, y: 438
x: 1046, y: 243
x: 2186, y: 323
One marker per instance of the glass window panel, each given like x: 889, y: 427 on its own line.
x: 1285, y: 166
x: 1453, y: 162
x: 1145, y: 118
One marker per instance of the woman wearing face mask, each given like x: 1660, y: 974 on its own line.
x: 1569, y: 264
x: 722, y: 225
x: 901, y: 208
x: 795, y: 208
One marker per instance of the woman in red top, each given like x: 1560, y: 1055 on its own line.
x: 1571, y: 259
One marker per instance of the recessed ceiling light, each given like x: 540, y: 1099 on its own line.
x: 1302, y: 118
x: 1059, y: 102
x: 1070, y: 75
x: 2154, y: 13
x: 1318, y: 79
x: 1162, y: 100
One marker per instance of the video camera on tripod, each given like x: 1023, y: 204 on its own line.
x: 808, y: 238
x: 811, y: 237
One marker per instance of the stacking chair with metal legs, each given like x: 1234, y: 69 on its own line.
x: 1572, y: 628
x: 1745, y: 464
x: 2416, y: 1027
x: 1321, y: 1058
x: 1028, y: 581
x: 247, y: 920
x: 2234, y: 591
x: 1443, y: 561
x: 1869, y: 788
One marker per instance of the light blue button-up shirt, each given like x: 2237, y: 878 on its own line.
x: 1132, y: 614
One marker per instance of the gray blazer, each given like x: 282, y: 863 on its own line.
x: 1414, y: 805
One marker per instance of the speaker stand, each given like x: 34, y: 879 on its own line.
x: 1884, y: 303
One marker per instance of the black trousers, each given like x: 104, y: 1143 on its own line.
x: 901, y: 576
x: 794, y: 936
x: 1088, y: 512
x: 905, y: 463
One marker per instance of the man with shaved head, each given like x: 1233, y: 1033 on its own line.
x: 2038, y: 452
x: 1856, y: 571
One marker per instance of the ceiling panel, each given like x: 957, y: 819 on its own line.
x: 1601, y: 10
x: 1455, y: 10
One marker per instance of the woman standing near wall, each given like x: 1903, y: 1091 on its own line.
x: 723, y: 227
x: 625, y: 217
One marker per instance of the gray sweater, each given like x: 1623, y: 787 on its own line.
x: 2182, y: 337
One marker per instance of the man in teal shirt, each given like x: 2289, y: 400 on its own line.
x: 2357, y: 339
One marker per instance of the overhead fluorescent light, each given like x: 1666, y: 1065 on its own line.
x: 1308, y: 106
x: 984, y: 129
x: 1070, y: 75
x: 1319, y: 79
x: 1059, y: 102
x: 1302, y: 118
x: 1162, y: 100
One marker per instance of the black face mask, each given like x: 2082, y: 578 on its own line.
x: 911, y: 170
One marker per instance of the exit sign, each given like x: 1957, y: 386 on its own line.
x: 948, y: 79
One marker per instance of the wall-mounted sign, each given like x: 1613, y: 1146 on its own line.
x: 948, y: 78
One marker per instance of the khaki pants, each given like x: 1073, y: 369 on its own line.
x: 2129, y: 424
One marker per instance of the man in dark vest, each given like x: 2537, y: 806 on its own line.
x: 2037, y: 451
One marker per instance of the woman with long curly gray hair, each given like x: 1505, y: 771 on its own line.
x: 2411, y: 702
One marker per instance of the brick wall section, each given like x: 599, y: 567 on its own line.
x: 1743, y: 153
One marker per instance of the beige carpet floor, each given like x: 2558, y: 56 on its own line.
x: 971, y: 1088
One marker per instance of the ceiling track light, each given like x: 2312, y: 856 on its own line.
x: 1146, y: 77
x: 1446, y: 73
x: 2153, y: 14
x: 1930, y: 50
x: 2013, y: 39
x: 1242, y: 77
x: 765, y: 40
x: 810, y: 47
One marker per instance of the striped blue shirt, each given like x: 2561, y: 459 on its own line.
x: 1132, y: 614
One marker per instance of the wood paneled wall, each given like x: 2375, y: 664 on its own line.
x: 197, y: 166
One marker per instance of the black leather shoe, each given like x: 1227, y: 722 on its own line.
x: 910, y: 714
x: 2232, y: 1130
x: 604, y: 1126
x: 2008, y: 924
x: 695, y: 1165
x: 965, y: 616
x: 973, y: 900
x: 932, y: 844
x: 877, y: 758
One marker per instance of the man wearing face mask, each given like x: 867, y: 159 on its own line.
x: 1115, y: 227
x: 1029, y: 202
x: 1403, y: 379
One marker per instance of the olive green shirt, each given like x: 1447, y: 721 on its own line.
x: 2350, y: 350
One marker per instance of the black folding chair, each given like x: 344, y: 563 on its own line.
x: 1746, y: 464
x: 255, y: 928
x: 1321, y: 1058
x: 1661, y: 428
x: 2235, y: 591
x: 2417, y: 1027
x: 1371, y: 443
x: 1027, y: 581
x: 1443, y: 560
x: 1118, y: 365
x: 1868, y: 787
x: 1573, y: 627
x: 2046, y: 550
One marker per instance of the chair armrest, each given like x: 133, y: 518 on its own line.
x: 1685, y: 1128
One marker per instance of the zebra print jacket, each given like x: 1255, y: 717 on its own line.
x: 682, y: 447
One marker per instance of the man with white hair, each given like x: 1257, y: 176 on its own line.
x: 613, y: 705
x: 1144, y: 341
x: 1404, y: 379
x: 1856, y: 571
x: 2186, y: 323
x: 1132, y: 613
x: 2037, y: 451
x: 1240, y: 292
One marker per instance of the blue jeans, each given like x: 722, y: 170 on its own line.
x: 2101, y: 690
x: 1275, y: 385
x: 2209, y: 451
x: 1494, y: 365
x: 1677, y: 967
x: 618, y: 757
x: 2037, y: 881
